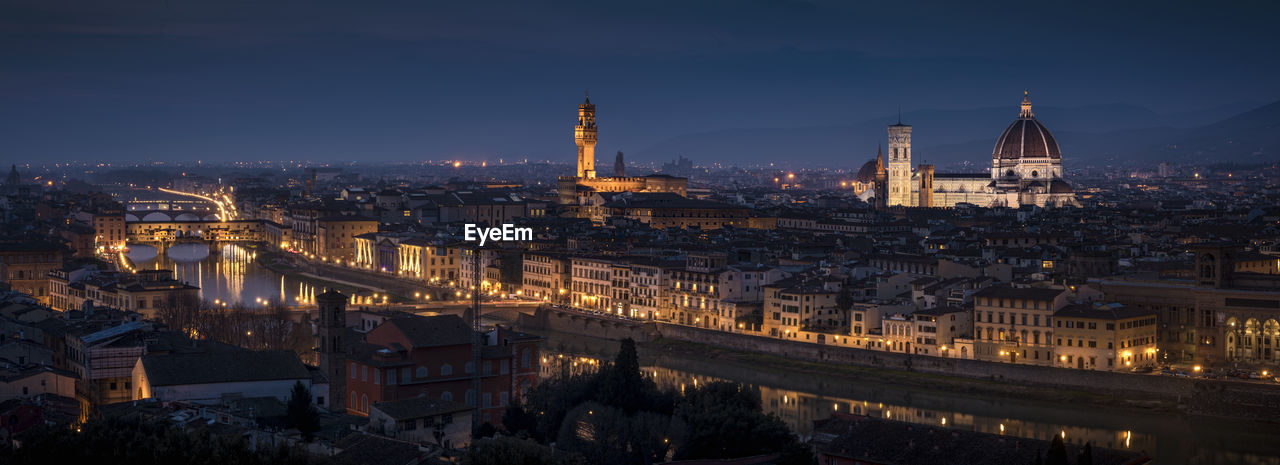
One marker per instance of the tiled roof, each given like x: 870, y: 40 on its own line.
x: 418, y: 407
x: 223, y: 367
x: 1006, y: 292
x: 433, y: 331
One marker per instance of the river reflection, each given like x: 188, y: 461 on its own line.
x: 232, y: 276
x: 801, y: 398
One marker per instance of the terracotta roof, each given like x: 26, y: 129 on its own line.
x: 433, y: 331
x: 419, y: 407
x: 1026, y: 138
x: 223, y: 367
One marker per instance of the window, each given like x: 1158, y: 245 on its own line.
x: 471, y: 397
x: 445, y: 370
x: 364, y: 373
x: 353, y: 371
x: 422, y: 372
x: 524, y: 358
x: 470, y: 367
x: 447, y: 396
x: 410, y: 425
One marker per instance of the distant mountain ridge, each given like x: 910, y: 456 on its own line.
x: 1098, y: 133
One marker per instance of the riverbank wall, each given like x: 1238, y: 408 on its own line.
x: 548, y: 318
x: 1191, y: 395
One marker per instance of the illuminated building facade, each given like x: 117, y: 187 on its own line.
x: 1026, y: 169
x: 573, y: 188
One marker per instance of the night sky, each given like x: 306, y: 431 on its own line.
x: 414, y: 80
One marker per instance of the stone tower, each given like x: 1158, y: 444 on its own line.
x: 926, y: 186
x: 619, y: 166
x: 584, y: 134
x: 332, y: 306
x: 899, y: 164
x: 882, y: 181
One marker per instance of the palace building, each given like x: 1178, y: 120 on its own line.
x: 1026, y: 169
x: 576, y: 190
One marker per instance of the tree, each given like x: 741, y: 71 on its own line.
x: 503, y: 450
x: 618, y: 416
x: 604, y: 434
x: 1086, y: 455
x: 622, y: 385
x: 1057, y: 452
x: 845, y: 299
x: 724, y: 420
x: 486, y: 430
x: 301, y: 413
x: 519, y: 422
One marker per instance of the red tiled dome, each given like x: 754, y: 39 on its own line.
x: 1026, y: 138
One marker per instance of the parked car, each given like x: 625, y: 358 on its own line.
x: 1143, y: 369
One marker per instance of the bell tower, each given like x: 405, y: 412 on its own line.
x: 899, y: 165
x: 331, y: 349
x: 584, y: 134
x: 882, y: 181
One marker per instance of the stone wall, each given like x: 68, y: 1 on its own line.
x: 1208, y: 397
x: 1199, y: 396
x: 570, y: 322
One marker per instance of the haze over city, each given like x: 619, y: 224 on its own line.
x: 334, y: 81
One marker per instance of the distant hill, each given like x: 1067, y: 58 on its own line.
x: 1250, y: 137
x: 951, y: 137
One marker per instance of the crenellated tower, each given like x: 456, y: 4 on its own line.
x: 584, y: 134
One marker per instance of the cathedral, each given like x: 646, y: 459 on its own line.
x: 1026, y: 169
x: 576, y: 190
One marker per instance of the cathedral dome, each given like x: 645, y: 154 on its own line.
x: 1059, y: 186
x: 867, y: 174
x: 1026, y: 138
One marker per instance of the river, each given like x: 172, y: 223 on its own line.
x: 800, y: 398
x: 232, y: 275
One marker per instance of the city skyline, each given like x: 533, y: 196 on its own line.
x: 752, y: 232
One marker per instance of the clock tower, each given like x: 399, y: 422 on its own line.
x: 584, y: 134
